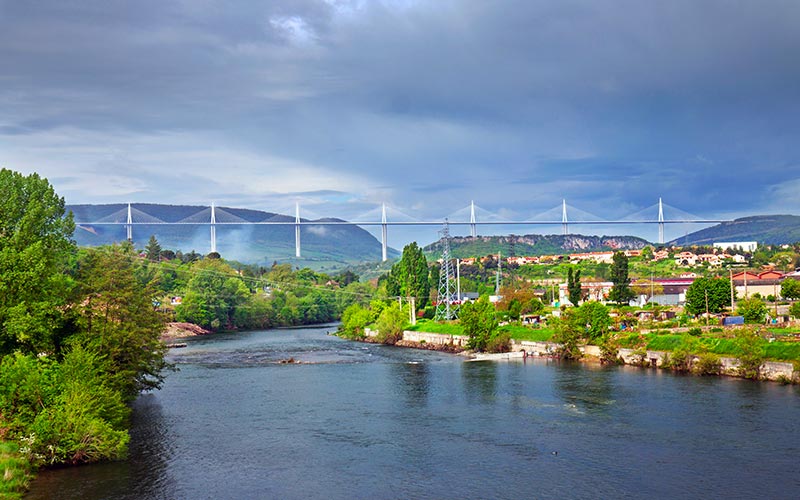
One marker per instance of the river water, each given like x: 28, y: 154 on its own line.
x: 359, y: 420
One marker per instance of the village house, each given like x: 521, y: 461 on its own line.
x: 748, y: 283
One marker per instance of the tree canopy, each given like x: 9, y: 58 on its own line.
x: 409, y: 276
x: 719, y: 295
x: 35, y: 245
x: 621, y: 292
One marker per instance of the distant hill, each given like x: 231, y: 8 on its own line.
x: 533, y: 244
x: 323, y: 247
x: 765, y: 229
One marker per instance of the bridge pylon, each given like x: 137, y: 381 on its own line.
x: 213, y: 228
x: 660, y: 222
x: 473, y: 227
x: 564, y: 220
x: 129, y: 225
x: 297, y: 230
x: 384, y: 231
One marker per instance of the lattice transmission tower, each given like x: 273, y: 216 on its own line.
x: 447, y: 302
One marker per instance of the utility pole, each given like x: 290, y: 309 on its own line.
x: 733, y: 293
x: 706, y: 307
x: 413, y: 311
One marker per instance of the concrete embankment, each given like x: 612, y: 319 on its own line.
x: 770, y: 370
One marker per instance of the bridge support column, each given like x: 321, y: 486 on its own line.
x: 384, y: 244
x: 473, y: 229
x: 213, y: 228
x: 129, y: 225
x: 660, y: 222
x: 297, y: 230
x: 564, y: 222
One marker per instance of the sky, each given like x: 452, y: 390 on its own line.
x: 425, y: 106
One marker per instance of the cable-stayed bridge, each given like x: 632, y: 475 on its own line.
x: 471, y: 215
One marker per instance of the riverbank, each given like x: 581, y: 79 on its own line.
x: 728, y: 366
x: 176, y: 330
x: 15, y: 469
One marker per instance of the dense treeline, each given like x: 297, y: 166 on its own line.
x: 79, y: 336
x: 220, y: 295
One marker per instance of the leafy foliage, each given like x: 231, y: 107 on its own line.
x: 719, y: 295
x: 409, y: 276
x: 391, y: 323
x: 479, y: 323
x: 574, y: 286
x: 35, y: 245
x: 790, y: 288
x: 621, y: 292
x: 753, y: 309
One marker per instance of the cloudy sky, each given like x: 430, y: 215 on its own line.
x: 424, y: 105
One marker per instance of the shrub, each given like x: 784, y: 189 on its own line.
x: 390, y: 324
x: 695, y: 331
x: 680, y: 360
x: 750, y: 349
x: 639, y: 356
x: 499, y: 342
x: 609, y: 351
x: 707, y: 363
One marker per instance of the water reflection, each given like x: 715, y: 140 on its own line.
x: 585, y: 390
x: 142, y: 475
x: 480, y: 381
x: 413, y: 382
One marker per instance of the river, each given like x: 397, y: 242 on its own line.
x: 357, y: 420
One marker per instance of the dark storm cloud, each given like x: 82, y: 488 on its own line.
x: 424, y: 105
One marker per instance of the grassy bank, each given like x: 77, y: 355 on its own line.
x: 774, y: 351
x: 15, y: 469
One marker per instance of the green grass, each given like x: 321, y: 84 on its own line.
x: 15, y: 470
x: 531, y: 334
x: 517, y: 332
x: 426, y: 325
x: 784, y: 351
x: 777, y: 351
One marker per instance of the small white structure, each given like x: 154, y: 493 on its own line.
x: 744, y: 246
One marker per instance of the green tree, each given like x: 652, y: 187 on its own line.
x: 479, y: 322
x: 391, y: 322
x: 750, y: 352
x: 568, y: 333
x: 35, y: 245
x: 355, y: 319
x: 794, y: 310
x: 409, y: 276
x: 574, y: 286
x: 753, y: 309
x: 790, y: 288
x: 718, y: 291
x: 116, y: 317
x: 594, y: 318
x: 153, y: 249
x: 214, y: 293
x: 621, y: 292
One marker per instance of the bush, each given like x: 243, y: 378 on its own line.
x: 390, y: 324
x: 499, y: 342
x: 63, y: 413
x: 695, y: 331
x: 609, y: 351
x: 680, y: 360
x: 751, y: 353
x: 707, y: 363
